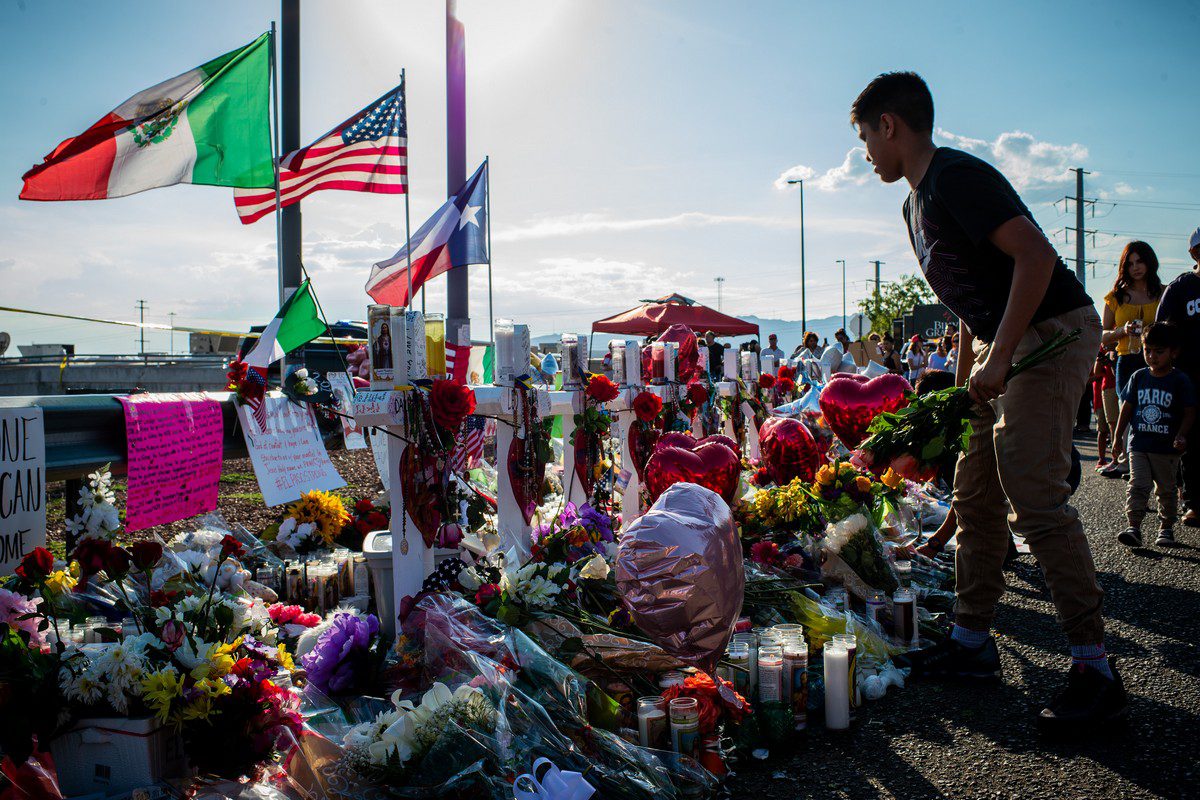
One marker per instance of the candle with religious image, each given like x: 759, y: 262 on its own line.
x: 770, y: 673
x: 904, y: 615
x: 670, y: 352
x: 379, y: 343
x: 633, y: 363
x: 653, y: 729
x: 574, y: 360
x: 850, y: 642
x: 617, y: 348
x: 795, y: 669
x: 398, y: 324
x: 729, y: 368
x: 414, y: 345
x: 685, y: 726
x: 521, y: 363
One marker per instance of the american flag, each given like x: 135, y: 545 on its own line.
x: 366, y: 153
x: 470, y: 445
x: 258, y: 405
x: 458, y: 357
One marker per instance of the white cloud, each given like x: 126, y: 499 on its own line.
x: 583, y: 282
x: 1028, y: 162
x: 579, y: 224
x: 853, y: 171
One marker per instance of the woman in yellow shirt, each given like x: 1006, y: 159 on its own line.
x: 1128, y: 308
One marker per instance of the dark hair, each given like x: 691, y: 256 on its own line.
x: 1154, y: 285
x: 904, y: 94
x: 933, y: 380
x: 1161, y: 334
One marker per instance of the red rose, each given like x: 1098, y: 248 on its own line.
x: 785, y: 384
x: 761, y: 477
x: 236, y: 374
x: 363, y: 527
x: 231, y: 547
x: 90, y: 553
x: 647, y: 406
x: 116, y: 562
x: 36, y: 565
x: 697, y: 393
x: 160, y: 598
x: 486, y: 594
x: 146, y: 554
x: 601, y: 389
x: 377, y: 521
x: 451, y: 403
x: 766, y: 381
x: 786, y: 372
x: 364, y: 506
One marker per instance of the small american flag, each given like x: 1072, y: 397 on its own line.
x: 366, y: 153
x: 258, y: 405
x: 470, y: 445
x: 458, y: 358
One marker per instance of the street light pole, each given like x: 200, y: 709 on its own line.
x: 803, y: 287
x: 842, y: 261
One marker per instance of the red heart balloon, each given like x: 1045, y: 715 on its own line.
x: 686, y: 357
x: 676, y: 439
x: 853, y: 376
x: 420, y: 481
x: 713, y: 466
x: 641, y: 445
x: 788, y: 450
x: 850, y: 405
x: 587, y: 476
x: 720, y: 438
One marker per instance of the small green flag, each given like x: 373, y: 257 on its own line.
x: 296, y: 324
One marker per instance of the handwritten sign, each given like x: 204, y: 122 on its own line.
x: 22, y: 484
x: 174, y: 457
x: 343, y: 395
x: 379, y: 448
x: 289, y: 457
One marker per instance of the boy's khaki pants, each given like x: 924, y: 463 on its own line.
x: 1155, y: 471
x: 1014, y: 474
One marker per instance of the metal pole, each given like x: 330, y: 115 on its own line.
x: 289, y: 118
x: 803, y: 287
x: 458, y: 308
x: 876, y: 263
x: 1080, y: 261
x: 171, y: 316
x: 487, y: 200
x: 407, y: 194
x: 142, y: 330
x: 842, y: 261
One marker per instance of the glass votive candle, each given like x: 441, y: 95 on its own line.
x: 770, y: 673
x: 685, y: 726
x: 658, y: 365
x: 653, y: 728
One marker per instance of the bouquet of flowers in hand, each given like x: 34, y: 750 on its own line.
x: 918, y: 440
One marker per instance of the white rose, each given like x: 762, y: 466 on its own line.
x: 595, y: 568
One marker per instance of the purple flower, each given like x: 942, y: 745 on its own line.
x: 335, y: 664
x: 597, y: 521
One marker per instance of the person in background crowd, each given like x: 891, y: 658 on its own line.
x: 772, y: 348
x: 1103, y: 384
x: 938, y: 358
x: 988, y: 261
x: 1180, y: 306
x: 915, y: 360
x: 716, y: 356
x: 888, y: 350
x: 952, y: 353
x: 1130, y: 306
x: 841, y: 341
x: 824, y: 344
x: 1160, y: 407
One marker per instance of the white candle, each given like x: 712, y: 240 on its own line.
x: 504, y: 352
x: 731, y: 365
x: 633, y: 363
x: 770, y: 673
x: 652, y: 722
x: 837, y: 687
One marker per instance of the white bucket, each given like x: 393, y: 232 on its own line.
x: 115, y: 755
x: 377, y: 549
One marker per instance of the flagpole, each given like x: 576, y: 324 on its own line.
x: 408, y: 193
x: 487, y: 199
x: 321, y: 311
x: 275, y: 156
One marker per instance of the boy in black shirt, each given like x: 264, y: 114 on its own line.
x: 988, y: 261
x: 1180, y: 305
x: 1161, y: 408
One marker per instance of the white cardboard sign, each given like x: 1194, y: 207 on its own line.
x: 289, y: 458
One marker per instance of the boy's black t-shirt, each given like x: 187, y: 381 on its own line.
x: 1180, y: 306
x: 950, y: 214
x: 1158, y: 406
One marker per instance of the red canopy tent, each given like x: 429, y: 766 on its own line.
x: 655, y: 316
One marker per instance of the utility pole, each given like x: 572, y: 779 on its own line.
x: 720, y: 282
x: 458, y: 308
x: 803, y: 287
x: 290, y: 239
x: 171, y: 316
x: 142, y: 330
x: 842, y: 261
x: 877, y: 265
x: 1080, y: 231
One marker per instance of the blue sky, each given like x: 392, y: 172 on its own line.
x: 635, y: 147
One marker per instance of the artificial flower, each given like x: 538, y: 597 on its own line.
x: 647, y: 406
x: 337, y: 662
x: 595, y: 568
x: 231, y: 547
x: 766, y: 381
x: 697, y: 393
x: 601, y: 389
x: 451, y: 403
x: 891, y: 479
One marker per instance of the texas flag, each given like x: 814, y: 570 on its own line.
x: 454, y: 236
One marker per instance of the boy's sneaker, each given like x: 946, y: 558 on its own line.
x: 1130, y: 537
x: 1102, y: 465
x: 1114, y: 470
x: 1090, y: 698
x: 949, y: 659
x: 1166, y: 538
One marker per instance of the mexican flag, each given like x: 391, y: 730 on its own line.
x: 209, y: 125
x: 296, y: 324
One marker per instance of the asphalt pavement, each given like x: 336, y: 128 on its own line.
x: 936, y: 740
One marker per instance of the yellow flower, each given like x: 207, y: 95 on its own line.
x: 159, y: 689
x: 60, y: 581
x: 862, y: 483
x: 324, y: 510
x: 892, y: 479
x: 826, y: 475
x: 285, y: 658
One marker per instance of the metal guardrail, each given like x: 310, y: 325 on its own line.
x: 149, y: 359
x: 85, y: 432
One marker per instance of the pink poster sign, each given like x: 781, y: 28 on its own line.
x: 174, y: 456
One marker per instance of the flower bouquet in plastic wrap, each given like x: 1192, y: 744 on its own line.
x: 930, y: 432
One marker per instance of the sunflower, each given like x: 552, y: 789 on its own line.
x: 324, y: 510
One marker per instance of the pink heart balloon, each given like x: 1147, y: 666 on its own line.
x: 712, y: 465
x: 788, y: 450
x: 849, y: 405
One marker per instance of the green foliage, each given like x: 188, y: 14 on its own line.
x: 895, y: 300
